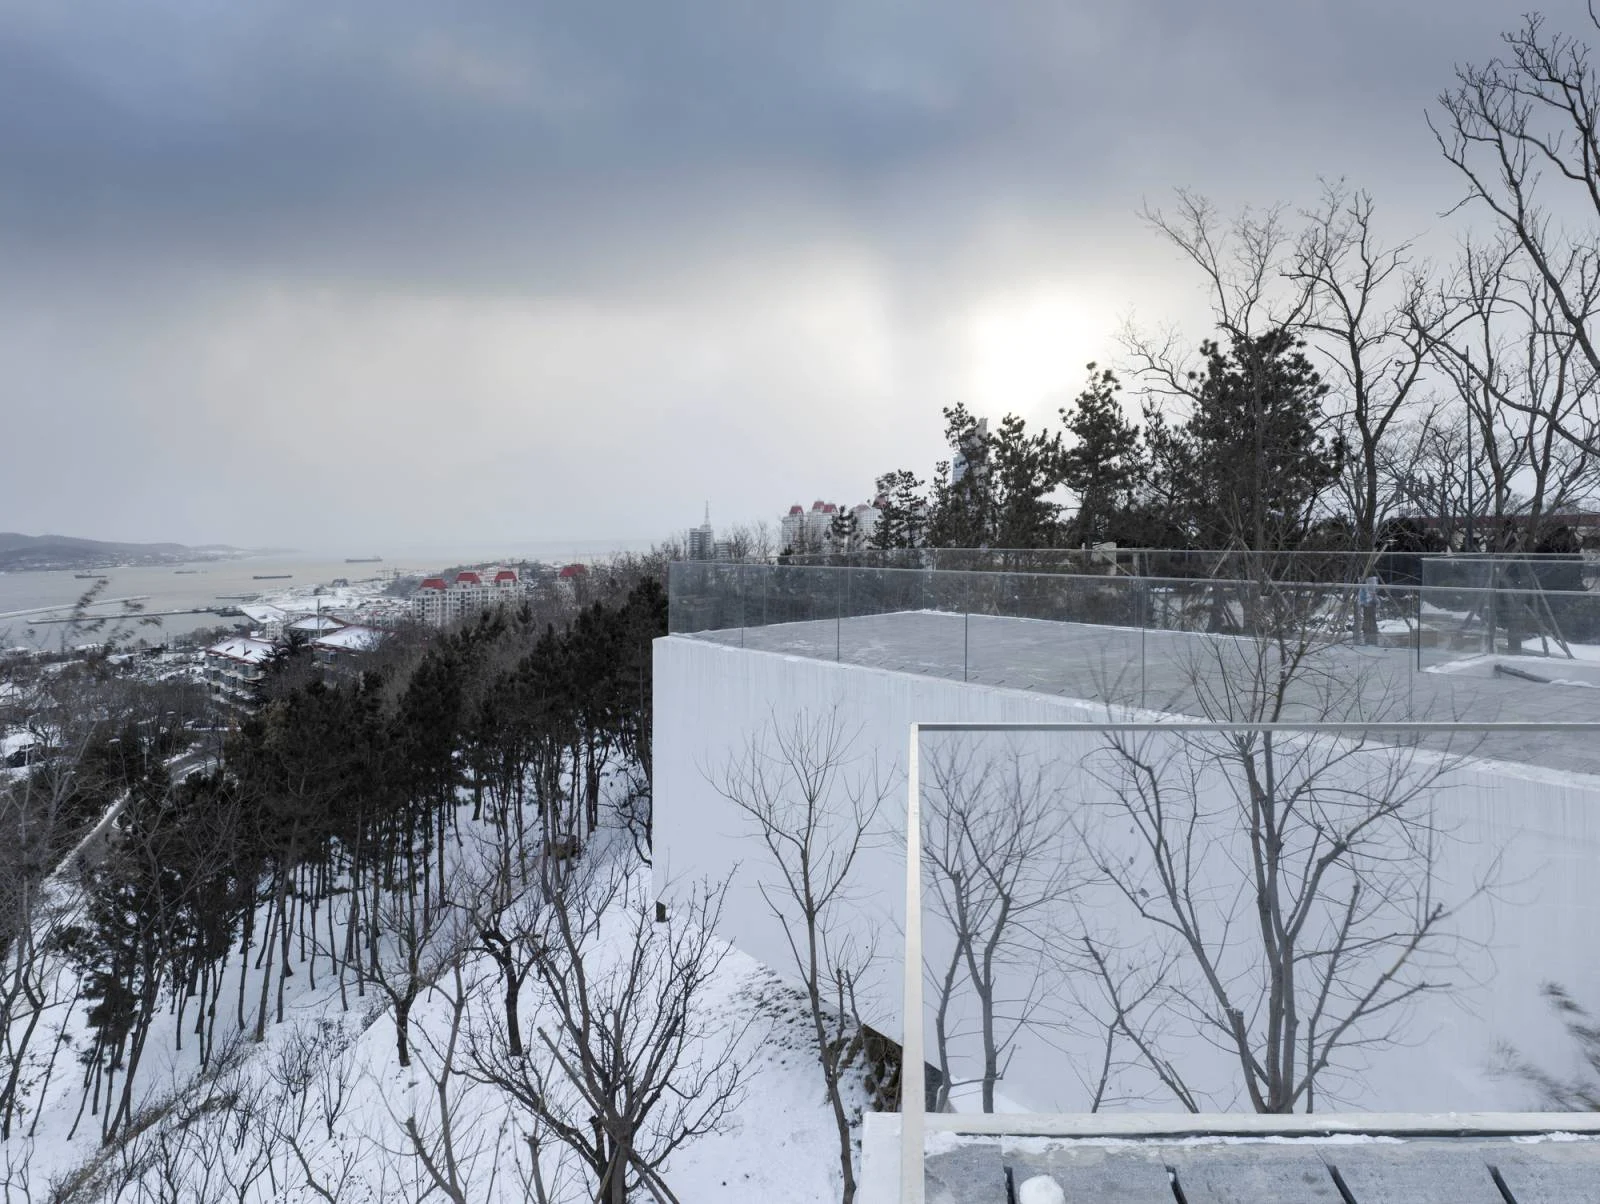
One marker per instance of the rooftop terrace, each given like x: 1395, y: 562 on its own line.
x: 1144, y: 642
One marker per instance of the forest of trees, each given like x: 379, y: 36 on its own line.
x: 337, y: 798
x: 1355, y: 394
x: 365, y: 830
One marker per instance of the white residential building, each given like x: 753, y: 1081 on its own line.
x: 803, y: 530
x: 439, y: 602
x: 235, y: 668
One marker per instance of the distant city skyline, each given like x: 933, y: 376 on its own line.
x: 351, y: 277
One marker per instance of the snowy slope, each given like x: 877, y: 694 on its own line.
x: 321, y: 1107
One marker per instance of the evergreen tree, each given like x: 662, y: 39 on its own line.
x: 960, y: 512
x: 1024, y: 470
x: 844, y: 531
x: 902, y: 509
x: 1105, y: 466
x: 1249, y: 464
x: 998, y: 494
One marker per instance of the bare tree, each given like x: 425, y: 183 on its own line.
x: 1426, y: 468
x: 996, y: 862
x: 16, y: 1180
x: 1244, y: 263
x: 814, y: 812
x: 1523, y: 130
x: 1496, y: 335
x: 1333, y: 282
x: 626, y: 1064
x: 313, y: 1075
x: 447, y: 1149
x: 751, y: 543
x: 1292, y: 880
x: 1359, y: 317
x: 424, y: 939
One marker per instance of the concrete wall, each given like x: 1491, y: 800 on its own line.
x: 1537, y: 833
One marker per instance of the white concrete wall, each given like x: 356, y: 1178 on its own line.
x: 1544, y: 924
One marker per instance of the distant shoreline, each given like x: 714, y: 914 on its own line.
x: 94, y: 564
x: 57, y: 553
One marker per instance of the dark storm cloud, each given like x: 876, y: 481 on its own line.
x: 183, y: 121
x: 218, y: 211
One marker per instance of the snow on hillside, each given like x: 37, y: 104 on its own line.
x: 319, y: 1109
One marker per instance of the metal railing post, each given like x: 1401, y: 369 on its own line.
x: 1144, y: 637
x: 913, y: 1087
x: 966, y: 624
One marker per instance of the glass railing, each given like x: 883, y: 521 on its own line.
x: 1396, y: 568
x: 1131, y: 639
x: 1238, y: 917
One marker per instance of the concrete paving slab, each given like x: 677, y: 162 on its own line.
x: 1418, y: 1172
x: 1551, y: 1172
x: 969, y: 1174
x: 1091, y: 1173
x: 1244, y: 1174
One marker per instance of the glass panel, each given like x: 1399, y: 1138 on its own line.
x: 1480, y: 635
x: 1236, y: 918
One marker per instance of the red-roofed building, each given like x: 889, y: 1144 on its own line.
x: 439, y: 602
x: 811, y: 531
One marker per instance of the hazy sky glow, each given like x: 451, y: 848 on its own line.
x: 361, y: 275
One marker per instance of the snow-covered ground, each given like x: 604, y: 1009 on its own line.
x: 323, y: 1100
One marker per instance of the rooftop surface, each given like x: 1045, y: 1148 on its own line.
x: 1376, y: 1170
x: 1197, y: 674
x: 1529, y: 1159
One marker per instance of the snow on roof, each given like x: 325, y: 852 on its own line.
x: 261, y: 612
x: 245, y: 649
x: 354, y: 638
x: 797, y: 509
x: 316, y: 623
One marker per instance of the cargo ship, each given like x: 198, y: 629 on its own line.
x: 270, y: 576
x: 363, y: 559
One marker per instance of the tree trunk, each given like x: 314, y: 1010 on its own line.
x: 402, y: 1023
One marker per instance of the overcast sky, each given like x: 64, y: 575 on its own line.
x: 356, y: 276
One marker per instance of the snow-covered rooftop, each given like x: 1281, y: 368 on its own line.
x: 262, y: 612
x: 354, y: 638
x: 316, y: 623
x: 245, y: 649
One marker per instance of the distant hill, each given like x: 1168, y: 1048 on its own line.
x: 20, y: 553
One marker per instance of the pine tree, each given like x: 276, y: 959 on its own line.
x: 844, y: 531
x: 1249, y: 464
x: 1105, y: 466
x: 902, y: 510
x: 1024, y: 471
x: 960, y: 512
